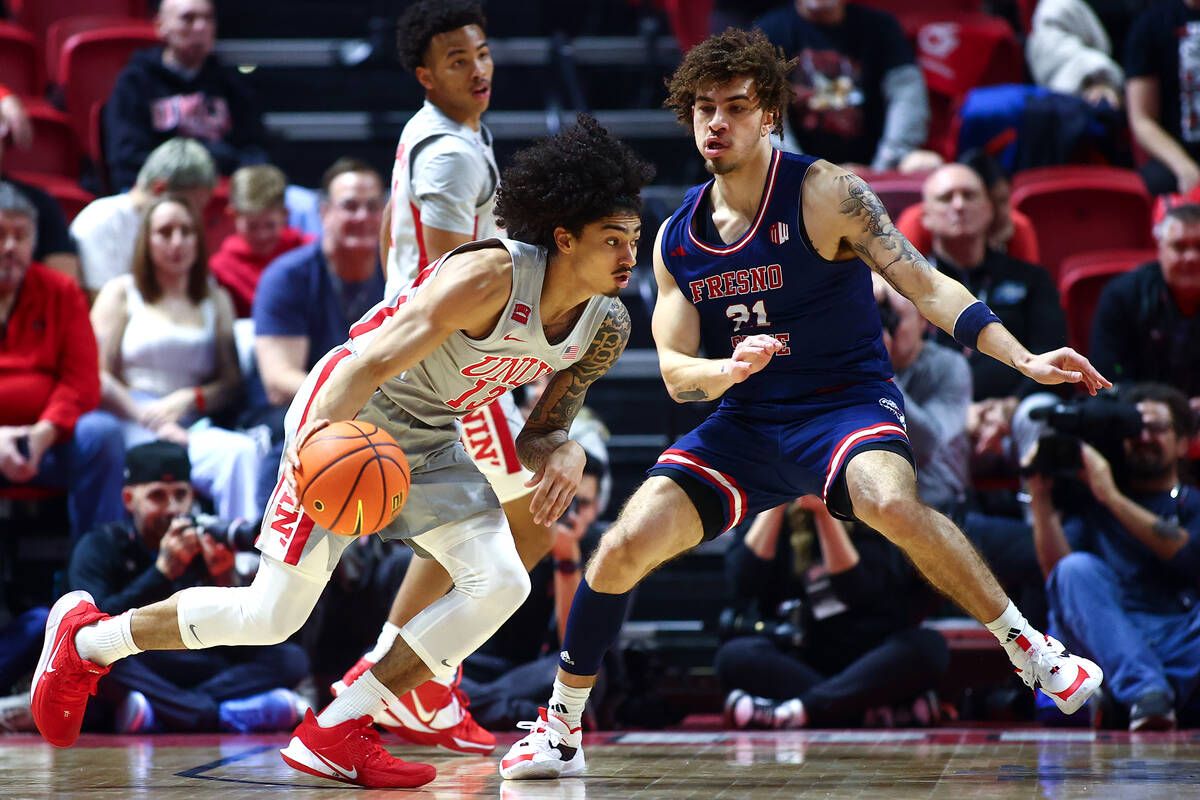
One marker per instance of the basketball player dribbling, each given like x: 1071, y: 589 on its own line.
x: 444, y: 183
x: 768, y: 267
x: 482, y: 320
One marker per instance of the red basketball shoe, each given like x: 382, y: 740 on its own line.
x: 437, y: 715
x: 63, y: 681
x: 352, y: 674
x: 351, y: 752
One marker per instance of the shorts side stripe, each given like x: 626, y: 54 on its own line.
x: 304, y: 526
x: 850, y: 441
x: 512, y: 463
x: 725, y: 484
x: 326, y: 371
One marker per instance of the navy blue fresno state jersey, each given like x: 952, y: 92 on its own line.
x: 772, y: 281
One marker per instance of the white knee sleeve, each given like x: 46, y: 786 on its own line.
x: 269, y: 610
x: 490, y: 583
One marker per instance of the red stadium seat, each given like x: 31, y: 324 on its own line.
x: 37, y: 16
x: 70, y: 196
x: 89, y: 65
x: 897, y: 191
x: 1076, y: 209
x: 19, y: 61
x: 58, y: 33
x: 55, y: 150
x: 1082, y: 278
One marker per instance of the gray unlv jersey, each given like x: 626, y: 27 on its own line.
x: 473, y: 168
x: 464, y: 374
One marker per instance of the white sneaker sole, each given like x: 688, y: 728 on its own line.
x: 59, y: 610
x: 545, y: 770
x: 1083, y: 692
x: 299, y: 757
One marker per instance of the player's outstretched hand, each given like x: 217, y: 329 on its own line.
x: 1064, y: 365
x: 291, y: 456
x: 556, y: 482
x: 752, y: 355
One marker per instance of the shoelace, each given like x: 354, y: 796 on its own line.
x: 464, y: 702
x: 1041, y: 658
x: 371, y: 746
x: 539, y: 726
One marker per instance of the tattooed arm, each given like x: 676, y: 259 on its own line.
x: 676, y: 328
x: 543, y: 445
x: 852, y: 221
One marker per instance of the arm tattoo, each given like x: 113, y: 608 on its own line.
x: 548, y: 423
x: 693, y: 395
x: 1168, y: 530
x: 882, y: 246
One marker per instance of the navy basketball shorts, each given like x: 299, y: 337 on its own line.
x: 746, y: 458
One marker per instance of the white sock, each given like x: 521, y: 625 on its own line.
x: 791, y: 714
x: 1015, y: 634
x: 1009, y: 625
x: 387, y: 637
x: 107, y: 641
x: 568, y: 703
x: 365, y: 697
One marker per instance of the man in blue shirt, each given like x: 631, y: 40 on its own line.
x: 308, y: 298
x: 1123, y: 573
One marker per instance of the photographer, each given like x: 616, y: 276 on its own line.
x: 1123, y: 568
x: 154, y: 554
x: 851, y: 644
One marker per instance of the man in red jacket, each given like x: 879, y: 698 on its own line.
x: 50, y: 380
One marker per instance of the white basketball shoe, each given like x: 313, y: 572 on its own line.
x: 1067, y: 679
x: 552, y: 749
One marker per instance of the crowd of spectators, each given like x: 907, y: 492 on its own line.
x: 123, y: 343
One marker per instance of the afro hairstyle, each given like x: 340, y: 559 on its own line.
x: 425, y: 19
x: 569, y: 180
x: 721, y: 58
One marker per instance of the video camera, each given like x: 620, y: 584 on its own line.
x: 1103, y: 421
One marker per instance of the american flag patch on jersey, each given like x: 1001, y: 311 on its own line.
x: 779, y: 233
x: 571, y: 353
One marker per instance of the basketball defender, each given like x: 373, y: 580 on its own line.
x: 485, y: 318
x: 444, y: 182
x: 768, y: 266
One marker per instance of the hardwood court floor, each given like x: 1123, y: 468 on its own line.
x: 955, y: 764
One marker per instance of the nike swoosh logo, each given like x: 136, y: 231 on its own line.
x: 425, y: 716
x: 447, y: 664
x: 50, y: 663
x: 338, y: 769
x: 192, y: 628
x: 510, y: 338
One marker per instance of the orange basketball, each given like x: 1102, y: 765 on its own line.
x: 353, y: 478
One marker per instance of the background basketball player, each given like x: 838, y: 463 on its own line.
x: 444, y: 182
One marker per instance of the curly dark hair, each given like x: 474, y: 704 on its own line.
x: 725, y: 56
x: 425, y: 19
x: 568, y: 180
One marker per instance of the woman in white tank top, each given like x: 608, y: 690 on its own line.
x: 168, y: 360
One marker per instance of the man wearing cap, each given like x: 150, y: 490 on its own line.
x: 155, y: 553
